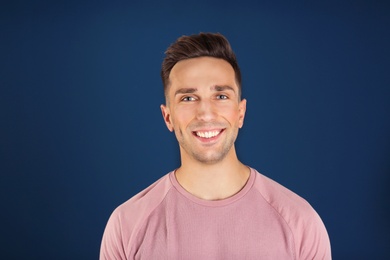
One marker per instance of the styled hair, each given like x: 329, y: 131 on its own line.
x: 199, y: 45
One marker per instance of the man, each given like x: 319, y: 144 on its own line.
x: 212, y: 206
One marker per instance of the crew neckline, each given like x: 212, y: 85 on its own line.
x: 214, y: 203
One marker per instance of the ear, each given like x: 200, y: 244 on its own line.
x: 167, y: 117
x: 242, y: 110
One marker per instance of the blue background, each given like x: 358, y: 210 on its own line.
x: 81, y: 130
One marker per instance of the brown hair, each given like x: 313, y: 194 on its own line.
x: 199, y: 45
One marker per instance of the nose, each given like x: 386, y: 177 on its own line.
x: 206, y: 111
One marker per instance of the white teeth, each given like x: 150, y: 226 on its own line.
x: 209, y: 134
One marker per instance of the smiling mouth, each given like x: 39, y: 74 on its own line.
x: 207, y: 134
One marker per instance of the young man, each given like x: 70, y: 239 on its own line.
x: 212, y: 206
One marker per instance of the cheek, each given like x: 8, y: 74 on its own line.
x: 232, y: 115
x: 181, y: 119
x: 185, y: 113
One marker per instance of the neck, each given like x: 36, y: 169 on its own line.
x: 213, y: 181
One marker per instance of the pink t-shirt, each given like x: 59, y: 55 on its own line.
x: 263, y: 221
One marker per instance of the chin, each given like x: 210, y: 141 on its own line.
x: 210, y: 159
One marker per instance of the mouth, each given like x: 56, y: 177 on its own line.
x: 208, y: 134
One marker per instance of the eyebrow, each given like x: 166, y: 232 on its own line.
x: 185, y: 91
x: 223, y: 88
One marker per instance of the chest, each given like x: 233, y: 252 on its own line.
x: 246, y: 230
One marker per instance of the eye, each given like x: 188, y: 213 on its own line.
x: 187, y: 99
x: 222, y: 97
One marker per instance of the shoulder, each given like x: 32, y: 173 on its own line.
x: 145, y: 201
x: 310, y: 236
x: 279, y: 197
x: 123, y: 224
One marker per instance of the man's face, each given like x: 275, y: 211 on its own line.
x: 204, y: 109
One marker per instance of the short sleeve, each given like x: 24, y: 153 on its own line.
x: 313, y: 240
x: 112, y: 243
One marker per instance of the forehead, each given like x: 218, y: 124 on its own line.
x: 202, y: 71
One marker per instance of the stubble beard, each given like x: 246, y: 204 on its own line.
x: 208, y: 157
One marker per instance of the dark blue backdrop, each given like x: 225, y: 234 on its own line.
x: 81, y: 130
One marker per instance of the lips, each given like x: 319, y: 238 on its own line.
x: 207, y: 134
